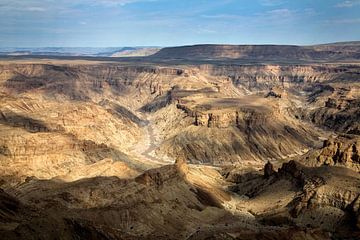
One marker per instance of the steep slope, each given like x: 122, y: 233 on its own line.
x: 336, y: 106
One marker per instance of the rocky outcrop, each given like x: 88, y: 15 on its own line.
x: 323, y: 198
x: 157, y: 177
x: 229, y: 112
x: 218, y: 120
x: 293, y: 170
x: 329, y: 193
x: 308, y: 184
x: 268, y: 170
x: 337, y: 152
x: 276, y: 93
x: 340, y: 152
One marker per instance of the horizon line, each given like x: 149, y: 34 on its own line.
x: 195, y: 44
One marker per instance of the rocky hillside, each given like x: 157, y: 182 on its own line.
x: 185, y: 202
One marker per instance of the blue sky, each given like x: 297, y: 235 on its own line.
x: 105, y: 23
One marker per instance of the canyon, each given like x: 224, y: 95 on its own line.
x: 194, y: 142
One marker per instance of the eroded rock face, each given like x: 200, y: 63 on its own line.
x: 276, y: 92
x: 320, y: 195
x: 336, y: 106
x: 339, y: 151
x: 284, y: 77
x: 218, y: 120
x: 237, y: 117
x: 157, y: 177
x: 323, y: 198
x: 231, y: 130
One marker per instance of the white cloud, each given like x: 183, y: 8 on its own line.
x: 203, y: 30
x: 42, y: 5
x: 282, y: 12
x: 343, y: 21
x: 35, y: 9
x: 271, y: 2
x: 348, y: 4
x: 222, y: 16
x: 116, y: 2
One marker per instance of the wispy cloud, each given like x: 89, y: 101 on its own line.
x: 276, y: 13
x: 222, y: 16
x: 116, y: 2
x: 275, y: 16
x: 35, y: 9
x: 204, y: 30
x: 42, y: 5
x: 271, y: 2
x: 343, y: 21
x: 282, y: 12
x: 348, y: 4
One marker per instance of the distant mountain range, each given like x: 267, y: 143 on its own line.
x: 81, y: 51
x: 323, y: 52
x: 332, y: 51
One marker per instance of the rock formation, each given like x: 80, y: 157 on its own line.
x: 268, y: 170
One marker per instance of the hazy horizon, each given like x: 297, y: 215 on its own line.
x: 129, y: 46
x: 164, y: 23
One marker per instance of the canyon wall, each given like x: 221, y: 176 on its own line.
x: 76, y: 104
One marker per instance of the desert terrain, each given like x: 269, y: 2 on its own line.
x: 193, y: 142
